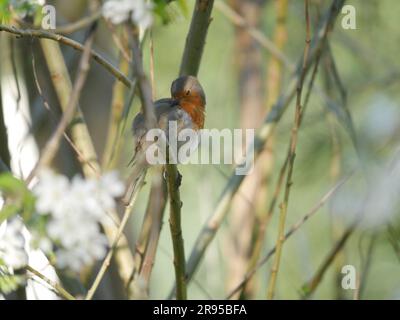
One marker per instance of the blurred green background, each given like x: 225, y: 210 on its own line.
x: 367, y: 60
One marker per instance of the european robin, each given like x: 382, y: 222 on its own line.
x: 186, y: 106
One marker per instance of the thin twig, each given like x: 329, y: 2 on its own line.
x: 147, y: 109
x: 118, y: 41
x: 238, y: 20
x: 114, y: 245
x: 145, y: 91
x: 42, y: 34
x: 264, y: 223
x: 311, y: 285
x: 80, y: 155
x: 274, y: 84
x: 366, y: 265
x: 190, y: 65
x: 80, y: 24
x: 291, y: 231
x: 58, y: 289
x: 53, y: 144
x: 156, y: 207
x: 151, y: 227
x: 292, y: 155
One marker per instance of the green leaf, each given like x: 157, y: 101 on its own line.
x: 28, y: 204
x: 184, y: 7
x: 8, y: 211
x: 20, y: 198
x: 37, y: 15
x: 8, y: 281
x: 11, y: 185
x: 168, y: 10
x: 5, y: 14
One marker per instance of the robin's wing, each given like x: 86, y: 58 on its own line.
x: 161, y: 107
x: 182, y: 118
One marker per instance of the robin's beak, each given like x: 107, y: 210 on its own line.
x: 175, y: 103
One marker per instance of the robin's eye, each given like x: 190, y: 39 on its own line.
x: 188, y: 92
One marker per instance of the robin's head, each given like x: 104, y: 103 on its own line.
x: 188, y: 89
x: 189, y: 95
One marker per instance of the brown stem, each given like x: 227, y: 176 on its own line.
x: 41, y: 34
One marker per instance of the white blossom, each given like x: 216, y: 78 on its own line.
x: 382, y: 120
x: 75, y: 258
x: 373, y: 205
x: 12, y: 245
x: 50, y: 192
x: 138, y: 11
x: 75, y: 208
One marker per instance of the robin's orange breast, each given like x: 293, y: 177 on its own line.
x: 196, y: 110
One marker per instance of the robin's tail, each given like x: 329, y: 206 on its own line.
x: 139, y: 169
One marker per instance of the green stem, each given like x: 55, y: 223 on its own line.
x: 59, y: 289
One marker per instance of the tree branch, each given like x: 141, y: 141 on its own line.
x: 196, y: 37
x: 291, y: 158
x: 58, y: 289
x: 191, y: 59
x: 114, y: 245
x: 41, y: 34
x: 53, y: 144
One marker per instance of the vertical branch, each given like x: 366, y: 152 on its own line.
x: 146, y: 245
x: 265, y: 168
x: 150, y: 122
x: 156, y: 206
x: 196, y: 37
x: 191, y: 59
x: 145, y: 91
x: 173, y: 183
x: 292, y: 155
